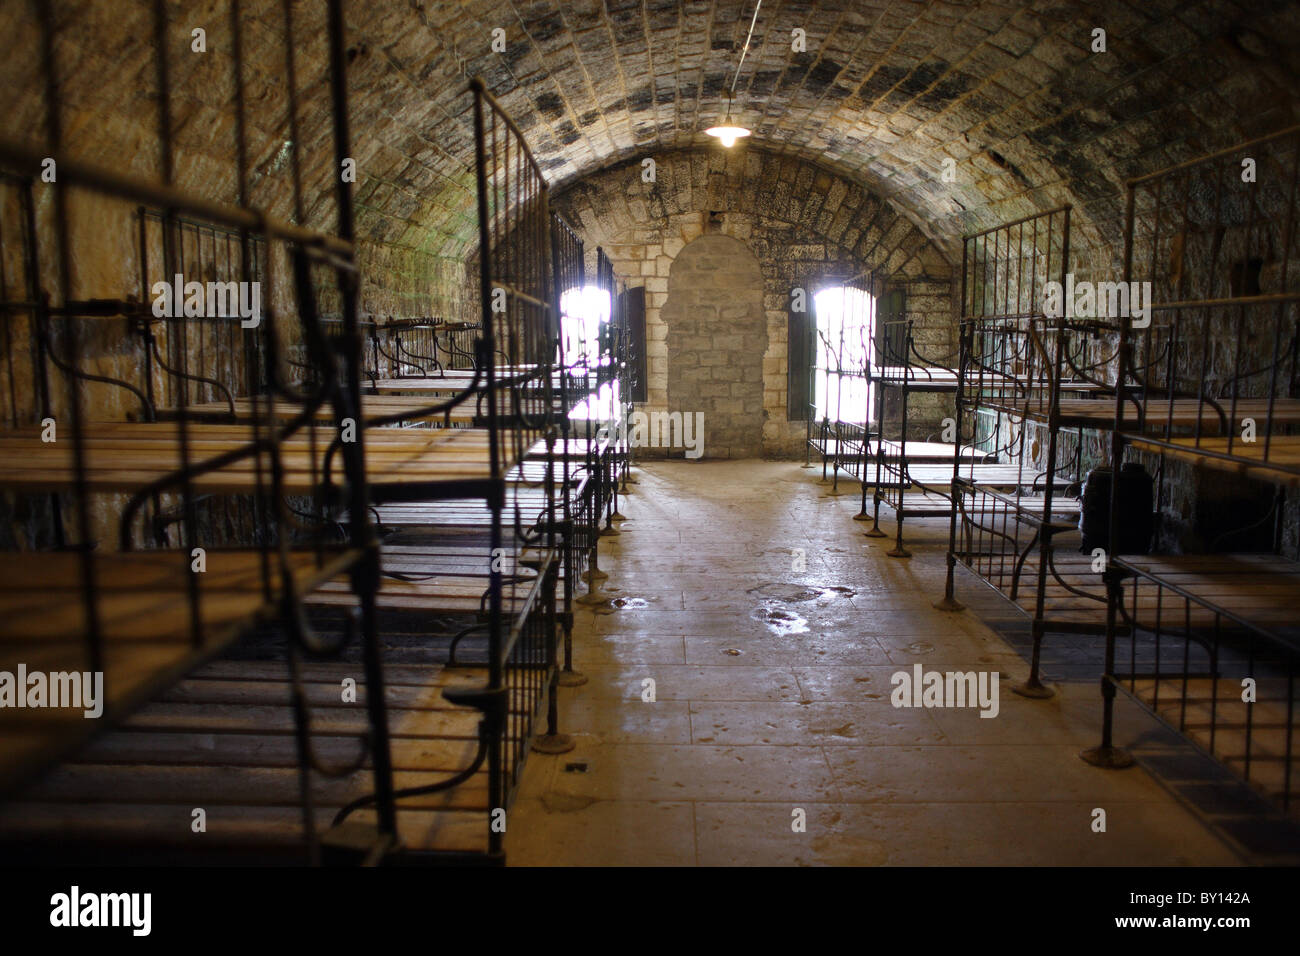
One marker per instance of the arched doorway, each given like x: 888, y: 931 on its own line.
x: 717, y: 334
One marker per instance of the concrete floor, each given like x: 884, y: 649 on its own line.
x: 772, y: 695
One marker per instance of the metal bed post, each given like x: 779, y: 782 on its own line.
x: 869, y: 329
x: 551, y: 741
x: 904, y: 478
x: 1106, y: 754
x: 568, y: 676
x: 495, y: 497
x: 965, y: 345
x: 365, y: 576
x: 879, y: 347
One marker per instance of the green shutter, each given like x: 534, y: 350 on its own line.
x: 891, y: 333
x: 634, y: 315
x: 800, y: 355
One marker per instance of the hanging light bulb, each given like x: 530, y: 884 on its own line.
x: 727, y: 133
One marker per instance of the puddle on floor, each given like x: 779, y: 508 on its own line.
x: 621, y: 603
x: 779, y: 620
x: 799, y: 593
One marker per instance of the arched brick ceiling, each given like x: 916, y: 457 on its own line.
x: 885, y: 92
x: 796, y: 203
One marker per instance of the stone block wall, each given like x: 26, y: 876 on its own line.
x: 805, y: 226
x: 716, y: 334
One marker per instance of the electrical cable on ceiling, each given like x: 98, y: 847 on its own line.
x: 727, y: 133
x: 745, y: 50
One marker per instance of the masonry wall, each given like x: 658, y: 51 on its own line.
x: 805, y: 226
x: 716, y: 334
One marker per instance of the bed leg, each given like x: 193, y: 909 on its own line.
x: 898, y: 551
x: 553, y: 742
x: 1107, y: 756
x: 862, y: 510
x: 874, y: 531
x: 568, y: 676
x: 949, y: 601
x: 593, y: 578
x: 1033, y: 687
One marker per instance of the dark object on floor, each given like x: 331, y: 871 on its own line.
x: 1136, y: 515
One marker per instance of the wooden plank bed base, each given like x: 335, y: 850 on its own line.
x: 451, y: 380
x: 410, y: 407
x: 929, y: 451
x: 1100, y: 413
x: 1258, y: 588
x: 145, y: 625
x: 445, y: 580
x: 991, y: 475
x: 223, y: 740
x: 143, y: 595
x: 1075, y: 570
x: 123, y: 457
x: 1279, y: 463
x: 1204, y: 702
x: 924, y: 504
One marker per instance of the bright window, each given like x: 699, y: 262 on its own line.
x: 583, y: 314
x: 846, y: 327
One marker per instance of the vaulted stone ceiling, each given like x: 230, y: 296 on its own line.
x: 886, y: 91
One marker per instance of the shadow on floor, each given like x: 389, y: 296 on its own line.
x: 1250, y: 824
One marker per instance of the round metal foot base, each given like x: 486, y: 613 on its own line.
x: 862, y: 516
x: 1108, y: 758
x: 874, y: 532
x: 617, y: 517
x: 553, y: 743
x: 571, y: 678
x: 592, y: 597
x: 899, y: 553
x: 1033, y: 690
x: 597, y: 575
x: 949, y: 604
x: 609, y: 532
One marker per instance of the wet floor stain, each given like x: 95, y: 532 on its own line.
x: 779, y: 620
x: 620, y: 604
x: 846, y: 731
x: 556, y: 802
x: 799, y: 593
